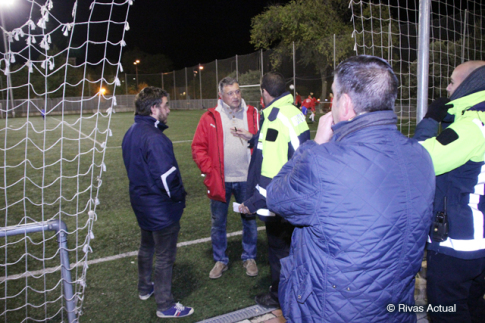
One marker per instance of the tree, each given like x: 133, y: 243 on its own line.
x: 310, y: 24
x: 249, y: 94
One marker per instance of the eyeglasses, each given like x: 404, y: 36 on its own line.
x: 237, y: 92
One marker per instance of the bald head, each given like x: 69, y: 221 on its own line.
x: 460, y: 73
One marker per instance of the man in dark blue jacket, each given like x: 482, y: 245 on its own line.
x: 360, y: 196
x: 157, y: 196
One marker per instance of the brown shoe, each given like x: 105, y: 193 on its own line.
x: 251, y: 268
x: 218, y: 269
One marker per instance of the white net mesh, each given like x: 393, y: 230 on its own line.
x: 388, y: 30
x: 457, y: 35
x: 53, y: 133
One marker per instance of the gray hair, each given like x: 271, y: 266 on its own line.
x: 369, y: 81
x: 226, y: 82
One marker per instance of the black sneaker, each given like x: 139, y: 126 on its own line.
x: 266, y: 300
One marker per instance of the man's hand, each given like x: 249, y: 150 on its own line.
x: 438, y: 109
x: 241, y: 133
x: 324, y: 131
x: 243, y: 209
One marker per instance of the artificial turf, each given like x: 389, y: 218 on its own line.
x: 111, y: 291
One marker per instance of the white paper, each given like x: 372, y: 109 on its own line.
x: 262, y: 212
x: 265, y: 212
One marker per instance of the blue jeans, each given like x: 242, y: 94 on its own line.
x: 219, y: 221
x: 163, y: 243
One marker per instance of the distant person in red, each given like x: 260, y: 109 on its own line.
x: 315, y: 102
x: 306, y: 104
x: 309, y: 104
x: 297, y: 100
x: 261, y: 104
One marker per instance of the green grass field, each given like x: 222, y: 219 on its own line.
x: 111, y: 292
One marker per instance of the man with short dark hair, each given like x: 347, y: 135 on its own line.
x: 157, y: 196
x: 360, y: 197
x: 224, y: 159
x: 283, y: 130
x: 456, y: 257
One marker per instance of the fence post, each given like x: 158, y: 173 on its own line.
x: 217, y: 81
x: 464, y: 38
x: 174, y: 87
x: 294, y: 71
x: 334, y: 52
x: 237, y: 70
x: 186, y: 87
x: 423, y: 58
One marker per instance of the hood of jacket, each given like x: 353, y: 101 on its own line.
x: 465, y: 103
x: 284, y: 99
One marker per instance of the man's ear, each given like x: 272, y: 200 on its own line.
x: 264, y: 93
x: 348, y: 112
x: 153, y: 109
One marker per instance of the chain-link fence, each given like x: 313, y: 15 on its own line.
x: 196, y: 86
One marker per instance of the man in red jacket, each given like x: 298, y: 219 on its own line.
x: 224, y: 160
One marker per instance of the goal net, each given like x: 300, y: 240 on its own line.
x: 54, y: 126
x: 390, y: 29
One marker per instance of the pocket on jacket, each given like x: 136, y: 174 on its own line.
x: 209, y: 180
x: 286, y: 268
x: 304, y: 286
x: 284, y: 287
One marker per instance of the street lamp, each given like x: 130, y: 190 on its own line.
x: 136, y: 71
x: 195, y: 75
x: 200, y: 79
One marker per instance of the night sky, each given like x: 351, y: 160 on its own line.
x: 189, y: 32
x: 193, y: 31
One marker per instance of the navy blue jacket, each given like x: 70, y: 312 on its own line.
x: 362, y: 207
x: 157, y: 193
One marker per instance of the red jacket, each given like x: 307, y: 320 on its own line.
x: 208, y: 149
